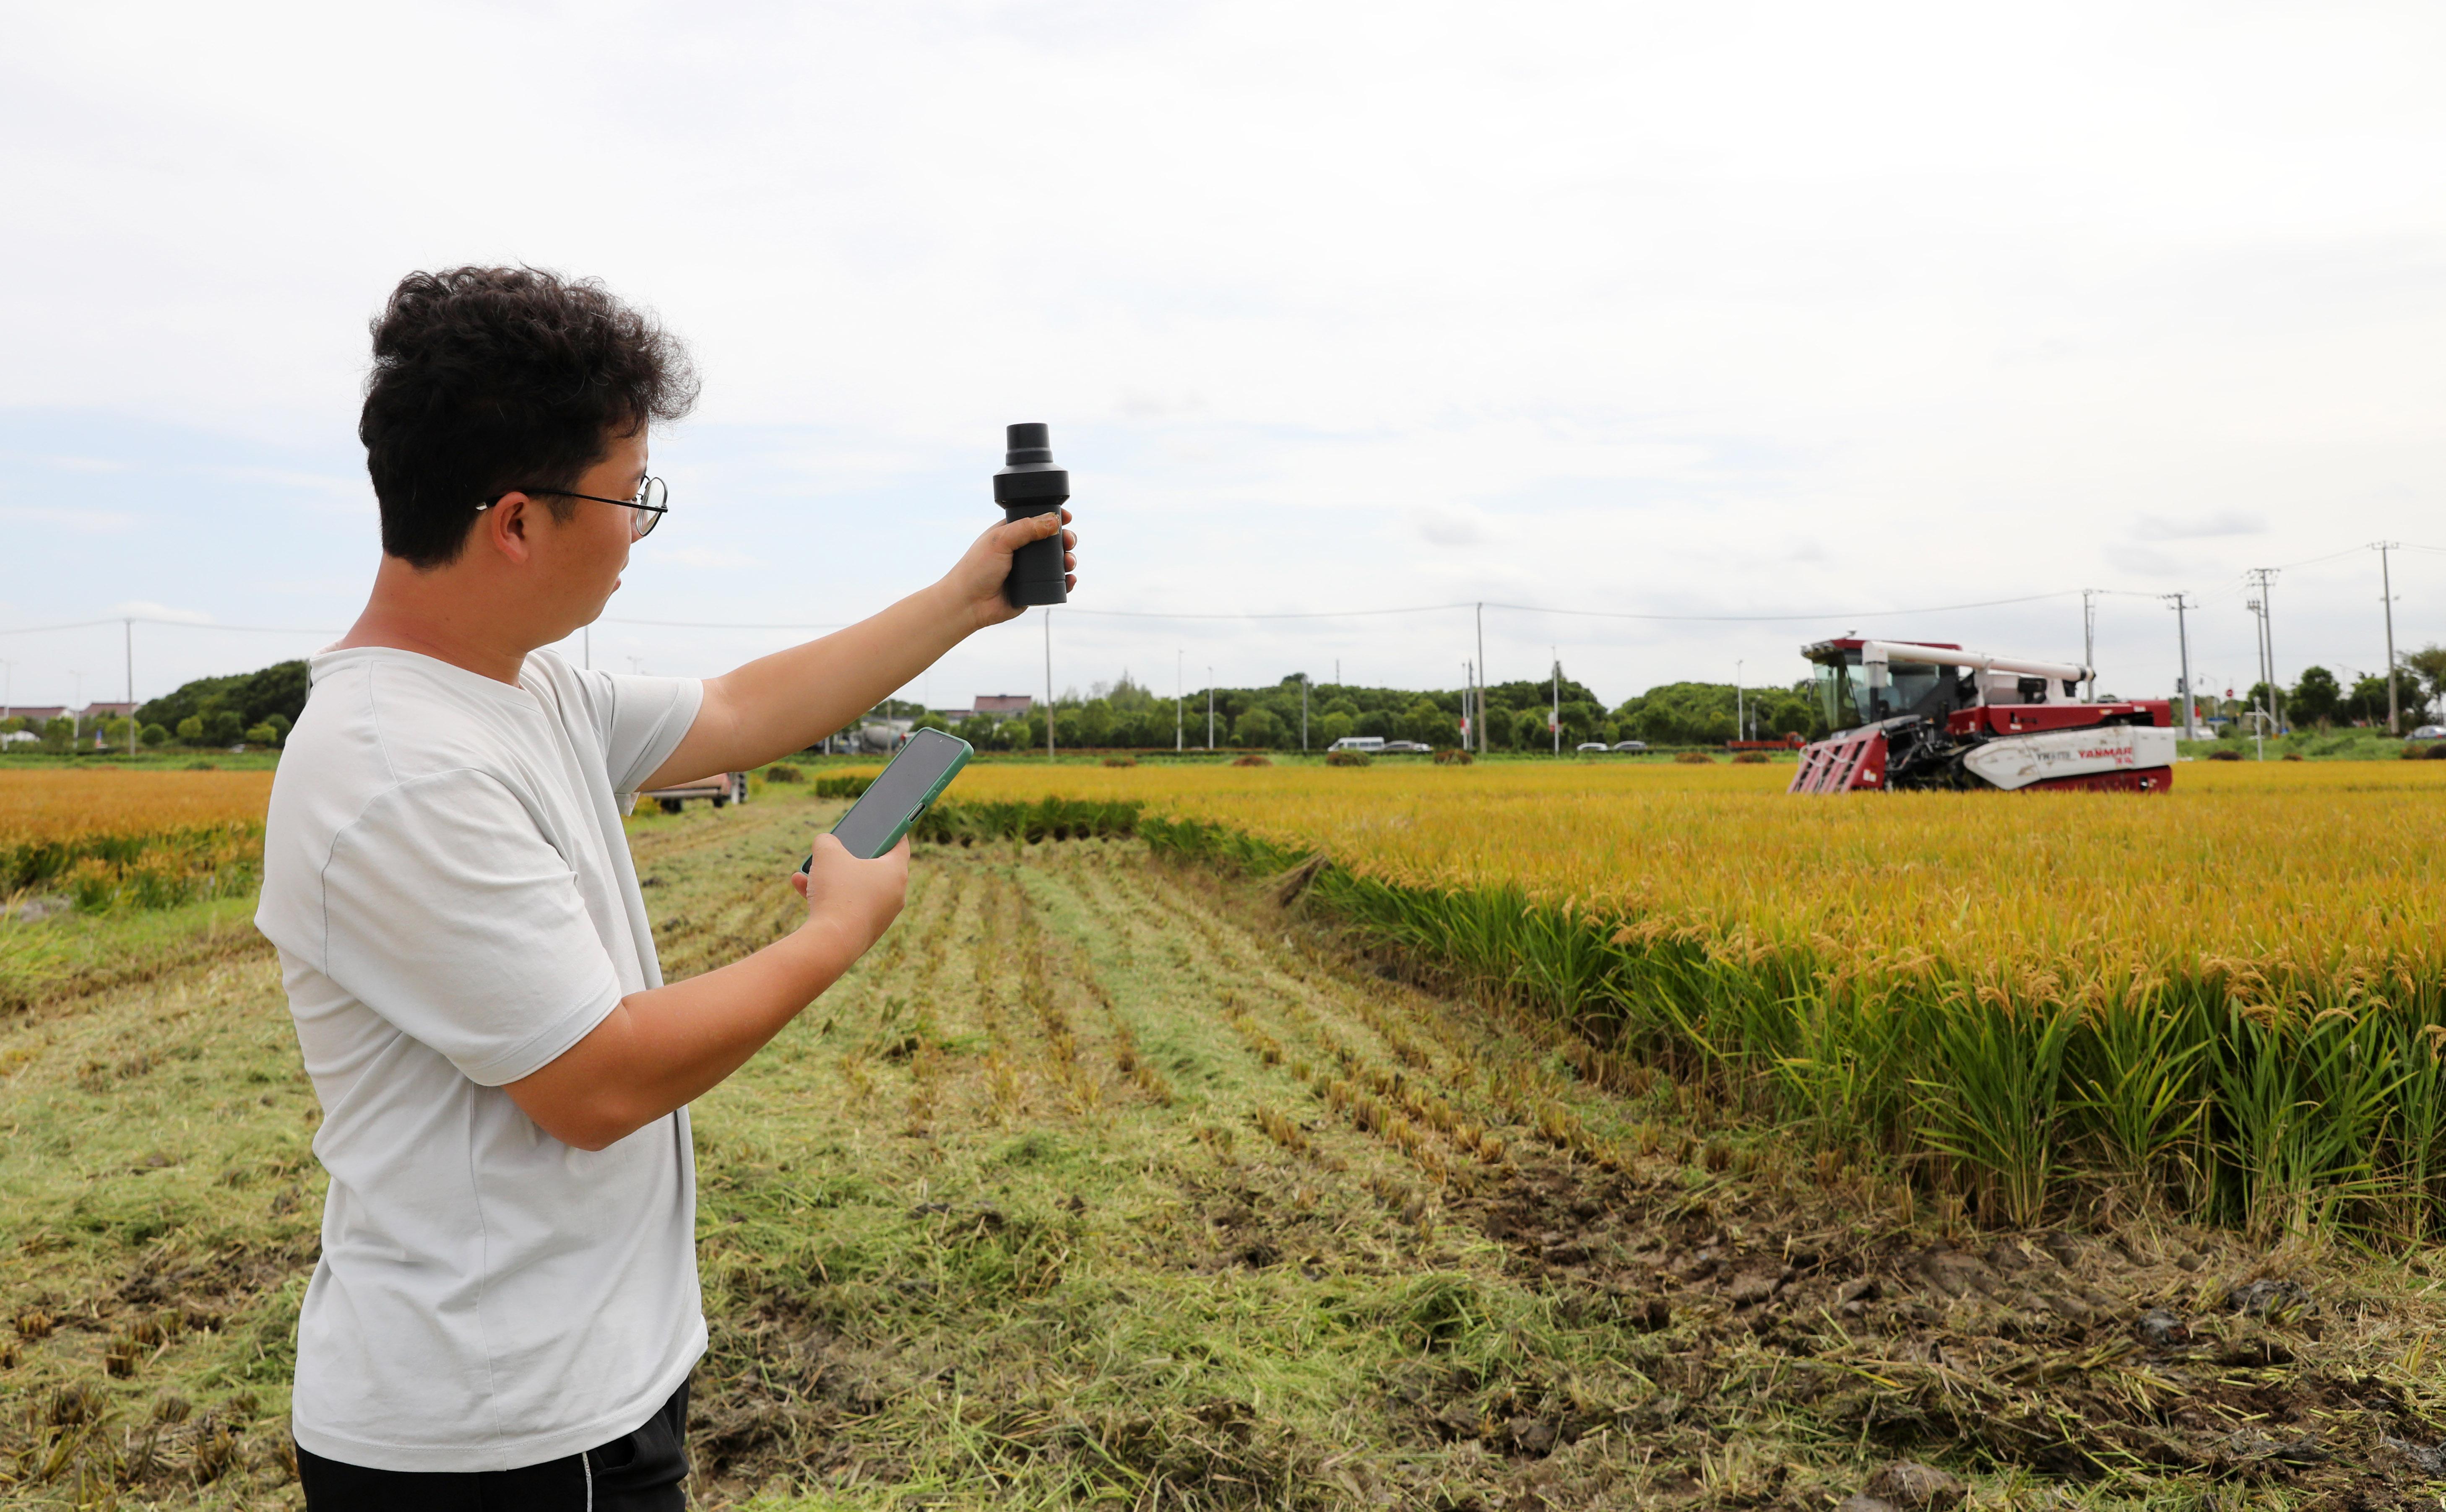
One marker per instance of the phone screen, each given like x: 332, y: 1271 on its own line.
x: 876, y: 822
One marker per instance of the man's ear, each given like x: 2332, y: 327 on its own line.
x: 504, y: 526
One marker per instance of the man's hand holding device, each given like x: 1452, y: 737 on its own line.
x: 663, y: 1048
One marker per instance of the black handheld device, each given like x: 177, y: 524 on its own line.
x: 1029, y: 483
x: 900, y: 794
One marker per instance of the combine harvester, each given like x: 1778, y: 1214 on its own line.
x: 1915, y: 714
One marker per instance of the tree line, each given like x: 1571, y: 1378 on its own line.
x: 251, y: 708
x: 1128, y: 716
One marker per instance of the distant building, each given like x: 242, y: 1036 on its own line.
x: 1000, y: 706
x: 105, y: 711
x: 36, y: 712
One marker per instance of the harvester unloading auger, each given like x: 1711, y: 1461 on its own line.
x: 1911, y: 715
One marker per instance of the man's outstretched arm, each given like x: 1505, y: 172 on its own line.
x: 789, y: 701
x: 663, y: 1049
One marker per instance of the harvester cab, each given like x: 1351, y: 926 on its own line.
x: 1915, y: 713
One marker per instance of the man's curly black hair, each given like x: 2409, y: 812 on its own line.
x: 492, y: 379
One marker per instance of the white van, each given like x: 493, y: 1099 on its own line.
x: 1370, y: 744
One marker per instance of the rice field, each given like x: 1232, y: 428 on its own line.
x: 1107, y: 1180
x: 103, y: 837
x: 2294, y: 869
x: 2228, y: 1002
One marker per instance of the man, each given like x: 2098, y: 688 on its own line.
x: 506, y: 1309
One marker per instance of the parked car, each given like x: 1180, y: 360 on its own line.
x: 1401, y: 748
x: 2428, y: 732
x: 1598, y: 746
x: 1633, y: 746
x: 1359, y: 742
x: 721, y: 789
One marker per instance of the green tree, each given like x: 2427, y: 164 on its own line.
x: 2366, y: 703
x: 153, y: 735
x: 1529, y: 730
x: 262, y: 735
x: 1429, y: 724
x: 1376, y: 722
x: 224, y: 727
x: 191, y: 730
x: 59, y: 734
x: 2426, y: 670
x: 1334, y: 726
x: 2315, y: 698
x: 279, y: 688
x: 1258, y: 727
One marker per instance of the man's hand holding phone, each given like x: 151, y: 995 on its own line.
x: 853, y: 901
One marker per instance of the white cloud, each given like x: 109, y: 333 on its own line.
x: 1445, y: 525
x: 1647, y: 308
x: 2200, y: 527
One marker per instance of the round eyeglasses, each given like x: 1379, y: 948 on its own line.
x: 648, y: 508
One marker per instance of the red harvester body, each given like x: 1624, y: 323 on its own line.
x: 1910, y: 714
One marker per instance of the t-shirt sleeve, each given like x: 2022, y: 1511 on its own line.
x: 641, y: 720
x: 447, y: 912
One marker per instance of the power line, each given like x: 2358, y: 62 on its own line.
x: 183, y: 624
x: 1599, y: 614
x: 720, y: 625
x: 1305, y: 614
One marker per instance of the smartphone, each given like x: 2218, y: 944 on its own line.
x: 909, y: 785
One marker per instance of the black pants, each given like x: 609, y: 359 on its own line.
x: 636, y: 1473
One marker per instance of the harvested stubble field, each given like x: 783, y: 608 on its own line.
x: 1111, y: 1179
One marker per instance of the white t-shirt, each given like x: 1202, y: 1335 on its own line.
x: 446, y: 878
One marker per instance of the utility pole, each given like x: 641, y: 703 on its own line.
x: 2263, y: 579
x: 1481, y: 677
x: 2259, y: 715
x: 129, y: 627
x: 1180, y: 691
x: 1210, y: 708
x: 1048, y: 683
x: 1554, y: 719
x: 1740, y: 708
x: 2183, y: 639
x: 1468, y: 692
x: 2386, y: 596
x: 2089, y: 640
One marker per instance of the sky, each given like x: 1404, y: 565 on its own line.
x: 1785, y: 320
